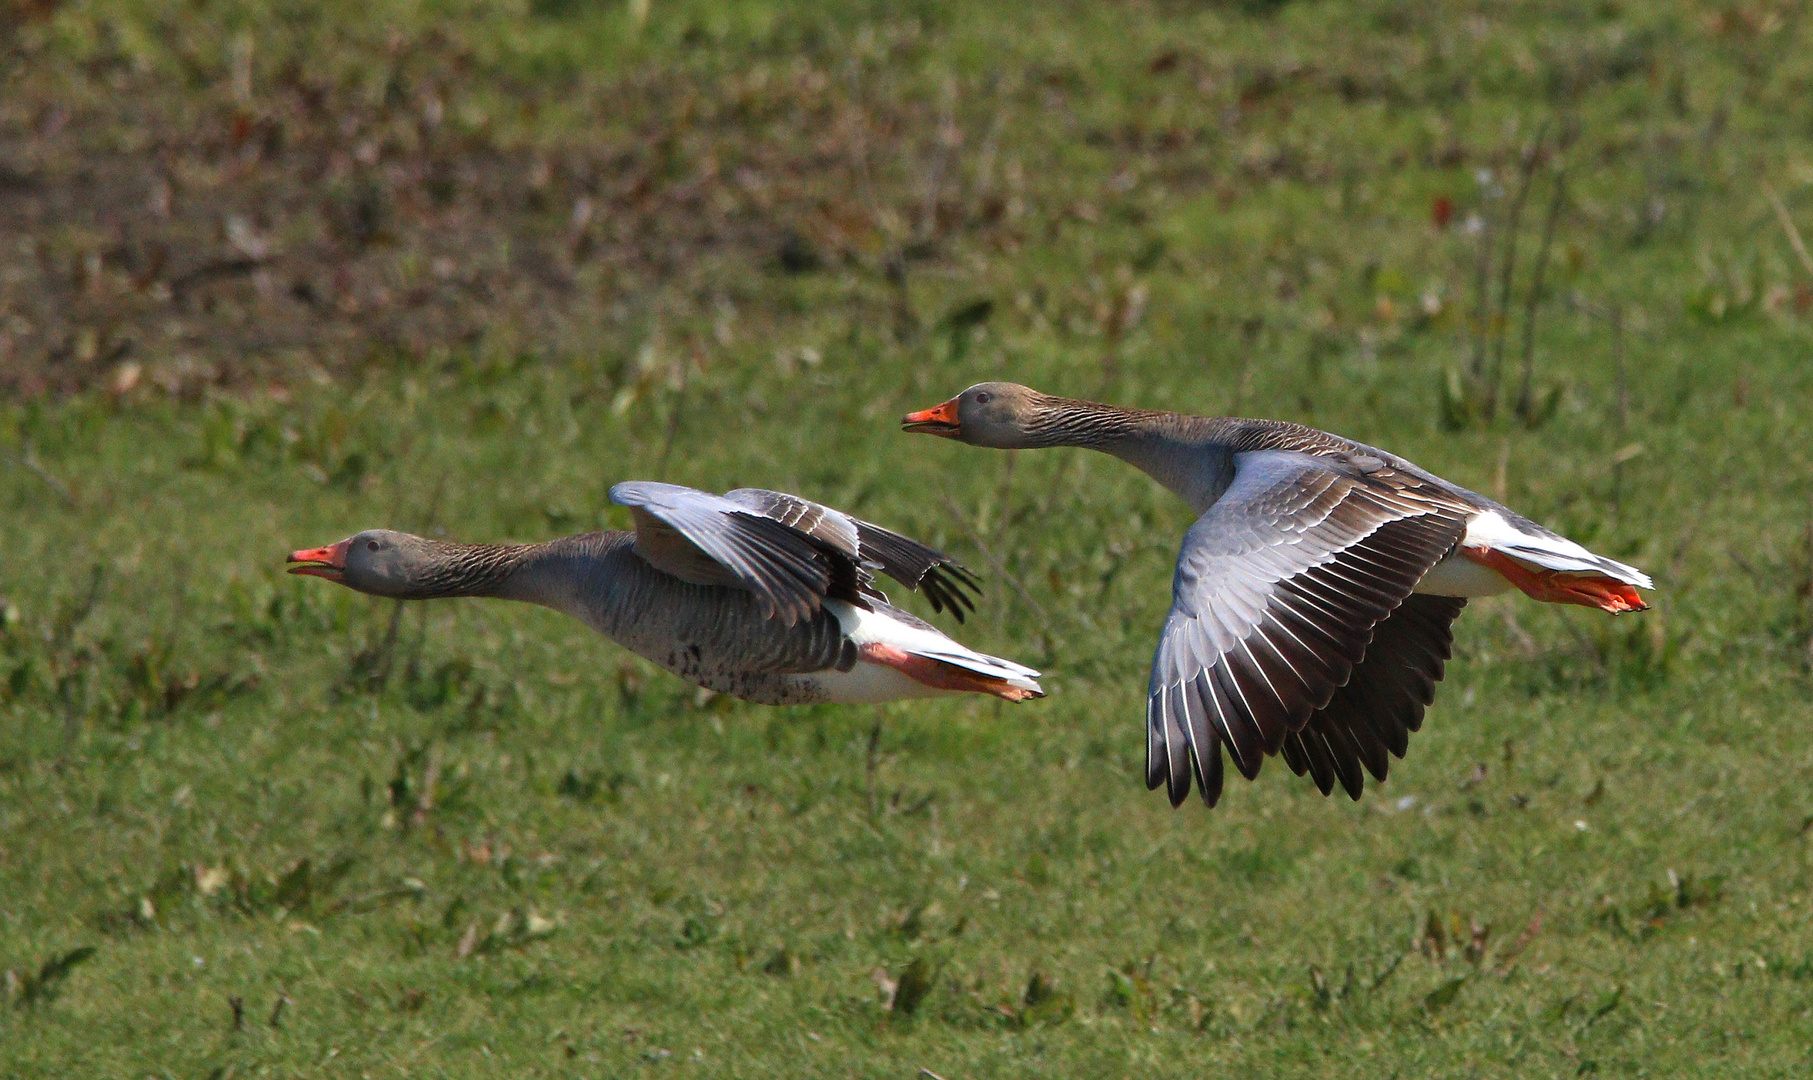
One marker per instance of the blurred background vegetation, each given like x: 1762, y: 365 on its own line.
x: 272, y: 273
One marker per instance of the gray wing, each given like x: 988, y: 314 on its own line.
x: 709, y: 540
x: 915, y: 565
x: 1278, y: 588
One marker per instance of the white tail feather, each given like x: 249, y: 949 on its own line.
x: 1568, y: 562
x: 876, y: 627
x: 1491, y: 530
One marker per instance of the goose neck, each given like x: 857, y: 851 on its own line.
x: 1186, y: 454
x: 448, y: 570
x: 560, y: 574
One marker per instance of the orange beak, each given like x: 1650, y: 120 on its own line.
x: 937, y: 420
x: 324, y: 562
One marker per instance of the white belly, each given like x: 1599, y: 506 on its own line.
x: 1458, y: 575
x: 869, y: 684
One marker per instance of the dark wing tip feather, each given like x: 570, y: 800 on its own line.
x: 920, y: 567
x: 1205, y: 748
x: 1177, y: 747
x: 1209, y: 775
x: 1183, y: 746
x: 1346, y: 759
x: 1294, y: 754
x: 1157, y: 765
x: 944, y: 592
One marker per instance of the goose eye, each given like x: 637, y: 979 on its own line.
x: 371, y: 545
x: 982, y: 398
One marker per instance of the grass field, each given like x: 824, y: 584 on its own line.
x: 457, y: 267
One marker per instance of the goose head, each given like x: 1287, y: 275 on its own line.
x: 377, y: 561
x: 1002, y: 415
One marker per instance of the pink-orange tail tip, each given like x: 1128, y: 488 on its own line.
x: 942, y: 676
x: 1559, y: 587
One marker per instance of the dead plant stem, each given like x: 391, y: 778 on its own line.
x: 1526, y: 405
x: 1787, y: 222
x: 1622, y: 410
x: 1508, y: 269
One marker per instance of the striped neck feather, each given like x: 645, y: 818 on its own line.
x: 466, y: 569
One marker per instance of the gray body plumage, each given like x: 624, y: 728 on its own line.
x: 717, y: 636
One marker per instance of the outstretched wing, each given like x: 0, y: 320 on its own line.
x: 1278, y: 588
x: 710, y: 540
x: 915, y: 565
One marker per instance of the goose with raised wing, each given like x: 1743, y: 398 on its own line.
x: 1312, y: 605
x: 758, y: 594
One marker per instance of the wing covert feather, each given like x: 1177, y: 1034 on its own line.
x: 917, y: 566
x: 789, y: 571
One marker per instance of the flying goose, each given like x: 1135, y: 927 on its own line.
x: 1311, y: 608
x: 758, y: 594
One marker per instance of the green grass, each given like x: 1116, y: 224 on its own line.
x: 475, y: 839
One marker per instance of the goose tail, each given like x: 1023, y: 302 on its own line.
x: 893, y: 638
x: 1551, y: 567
